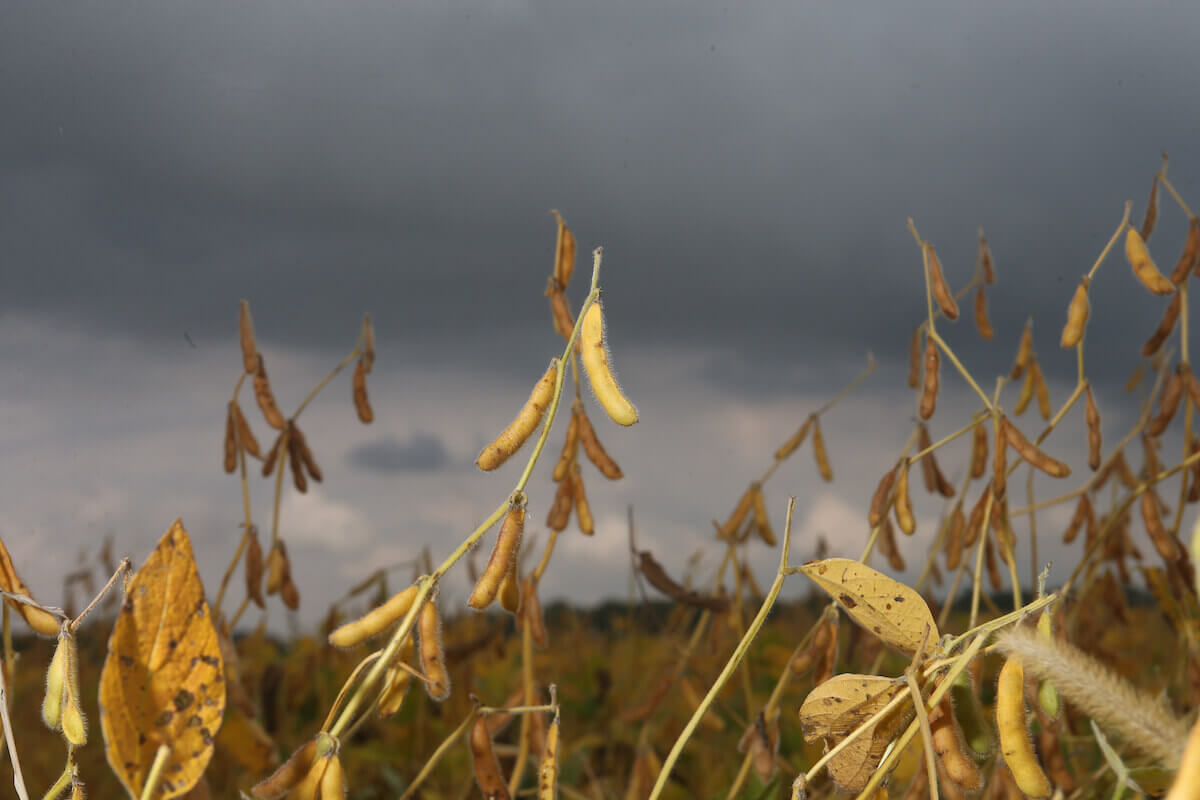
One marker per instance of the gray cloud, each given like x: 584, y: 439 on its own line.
x: 422, y: 452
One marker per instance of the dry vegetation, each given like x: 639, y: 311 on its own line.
x: 705, y: 687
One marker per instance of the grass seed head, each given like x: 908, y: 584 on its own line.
x: 526, y: 421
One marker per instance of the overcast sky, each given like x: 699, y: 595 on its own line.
x: 748, y: 169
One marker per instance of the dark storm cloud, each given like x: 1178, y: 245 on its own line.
x: 422, y: 452
x: 748, y: 169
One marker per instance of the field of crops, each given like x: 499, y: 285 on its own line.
x: 702, y: 684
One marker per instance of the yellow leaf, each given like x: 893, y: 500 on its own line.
x: 163, y: 680
x: 838, y: 707
x: 885, y: 607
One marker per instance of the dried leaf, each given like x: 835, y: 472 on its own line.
x: 889, y: 609
x: 163, y: 679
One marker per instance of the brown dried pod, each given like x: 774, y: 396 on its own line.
x: 244, y: 434
x: 1164, y: 542
x: 1138, y: 372
x: 999, y: 466
x: 433, y: 656
x: 941, y: 289
x: 820, y: 453
x: 903, y: 502
x: 761, y: 520
x: 278, y: 567
x: 731, y: 526
x: 289, y: 594
x: 954, y: 537
x: 985, y: 260
x: 560, y: 509
x: 993, y: 568
x: 570, y: 447
x: 1143, y: 265
x: 1124, y: 473
x: 272, y: 458
x: 1165, y: 326
x: 298, y: 477
x: 564, y: 322
x: 531, y: 610
x: 41, y: 621
x: 1151, y: 218
x: 265, y: 398
x: 789, y: 447
x: 1150, y: 463
x: 879, y: 500
x: 982, y: 323
x: 1027, y: 388
x: 1092, y: 417
x: 928, y: 465
x: 503, y: 557
x: 1191, y: 249
x: 1083, y: 510
x: 914, y: 359
x: 1052, y: 755
x: 254, y: 569
x: 975, y: 521
x: 306, y: 456
x: 1024, y: 350
x: 1077, y: 315
x: 657, y: 576
x: 1167, y: 406
x: 1190, y: 383
x: 583, y: 511
x: 929, y: 389
x: 510, y: 590
x: 289, y: 775
x: 979, y: 450
x: 1193, y: 494
x: 246, y: 335
x: 564, y: 253
x: 231, y: 454
x: 362, y: 404
x: 1041, y: 389
x: 487, y: 767
x: 1030, y: 452
x: 594, y: 450
x: 368, y: 344
x: 887, y: 546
